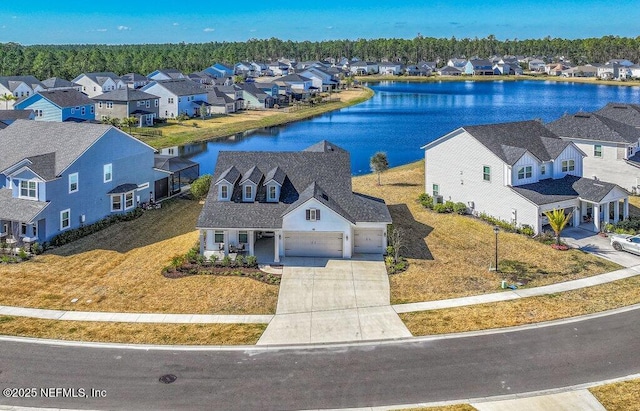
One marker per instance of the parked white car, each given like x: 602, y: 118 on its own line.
x: 626, y: 242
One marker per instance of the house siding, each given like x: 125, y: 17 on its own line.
x: 569, y: 153
x: 611, y: 167
x: 50, y: 112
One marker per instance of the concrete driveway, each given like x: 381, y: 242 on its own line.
x: 333, y: 301
x: 601, y: 246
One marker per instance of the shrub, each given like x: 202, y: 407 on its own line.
x: 226, y: 261
x: 177, y: 260
x: 526, y: 230
x: 631, y: 226
x: 460, y: 208
x: 37, y: 249
x: 240, y: 260
x: 192, y: 255
x: 440, y: 208
x: 200, y: 187
x: 23, y: 254
x: 426, y: 200
x: 251, y: 261
x: 78, y: 233
x: 390, y: 250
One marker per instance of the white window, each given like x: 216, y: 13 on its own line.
x: 73, y: 183
x: 109, y: 104
x: 248, y: 192
x: 543, y: 170
x: 597, y: 150
x: 107, y: 171
x: 243, y: 237
x: 73, y: 110
x: 568, y: 165
x: 29, y: 189
x: 525, y: 172
x: 156, y: 102
x: 147, y: 104
x: 170, y: 100
x: 313, y: 214
x: 486, y: 173
x: 272, y: 192
x: 91, y: 109
x: 100, y: 104
x: 116, y: 202
x: 83, y: 111
x: 65, y: 219
x: 224, y: 192
x: 435, y: 189
x: 128, y: 200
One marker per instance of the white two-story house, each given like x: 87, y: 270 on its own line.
x: 517, y: 171
x: 94, y: 84
x: 290, y: 204
x: 610, y: 145
x: 179, y: 96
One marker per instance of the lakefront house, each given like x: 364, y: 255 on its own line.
x: 517, y: 171
x: 286, y: 204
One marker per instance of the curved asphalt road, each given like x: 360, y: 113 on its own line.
x: 331, y: 377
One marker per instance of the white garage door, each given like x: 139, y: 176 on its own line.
x: 368, y: 242
x: 312, y: 244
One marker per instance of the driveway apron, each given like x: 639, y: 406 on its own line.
x: 324, y: 300
x: 592, y: 243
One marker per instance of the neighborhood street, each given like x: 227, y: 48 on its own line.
x: 269, y: 378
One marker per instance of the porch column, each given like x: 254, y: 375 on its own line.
x: 616, y: 211
x: 625, y: 210
x: 251, y: 239
x: 276, y: 246
x: 202, y: 242
x: 576, y: 216
x: 596, y: 217
x: 226, y: 242
x: 605, y: 219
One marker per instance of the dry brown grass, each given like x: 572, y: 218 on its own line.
x: 454, y: 407
x: 526, y: 310
x: 620, y: 396
x: 119, y: 270
x: 634, y: 206
x: 196, y: 334
x: 450, y: 255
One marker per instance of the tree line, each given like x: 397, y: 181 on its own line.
x: 67, y: 61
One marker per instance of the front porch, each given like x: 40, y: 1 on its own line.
x: 263, y: 244
x: 15, y: 235
x: 589, y: 215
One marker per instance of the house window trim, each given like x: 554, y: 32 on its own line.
x: 113, y: 197
x: 312, y: 214
x: 62, y: 219
x: 224, y: 192
x: 568, y: 165
x: 272, y: 193
x: 215, y: 237
x: 597, y: 150
x: 543, y: 170
x: 29, y: 189
x: 486, y: 174
x: 245, y: 234
x: 247, y: 187
x: 526, y: 171
x: 108, y: 166
x: 132, y: 200
x: 71, y: 182
x: 435, y: 189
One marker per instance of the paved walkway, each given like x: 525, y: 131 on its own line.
x: 323, y: 301
x: 581, y: 400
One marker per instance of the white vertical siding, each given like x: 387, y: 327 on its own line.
x: 569, y: 153
x: 526, y: 160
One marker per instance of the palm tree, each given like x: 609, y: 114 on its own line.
x: 558, y: 221
x: 379, y: 163
x: 129, y: 122
x: 7, y: 98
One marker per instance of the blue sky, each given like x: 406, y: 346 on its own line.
x: 127, y: 22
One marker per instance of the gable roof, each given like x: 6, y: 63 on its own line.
x: 179, y: 87
x: 509, y: 141
x: 294, y: 78
x: 624, y: 113
x: 590, y: 126
x: 28, y: 139
x: 64, y: 98
x: 11, y: 82
x: 19, y: 209
x: 98, y: 77
x: 56, y: 82
x: 317, y: 172
x: 125, y: 94
x: 567, y: 188
x: 15, y: 115
x: 133, y: 77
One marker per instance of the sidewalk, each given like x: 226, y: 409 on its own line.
x: 521, y: 293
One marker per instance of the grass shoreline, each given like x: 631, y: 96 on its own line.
x: 203, y: 133
x: 524, y: 77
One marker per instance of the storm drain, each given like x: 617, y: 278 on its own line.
x: 168, y: 378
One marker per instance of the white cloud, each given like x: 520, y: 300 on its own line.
x: 209, y: 29
x: 253, y: 30
x: 329, y: 27
x: 123, y: 28
x: 101, y: 30
x: 176, y: 24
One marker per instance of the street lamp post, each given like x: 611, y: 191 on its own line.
x: 496, y: 230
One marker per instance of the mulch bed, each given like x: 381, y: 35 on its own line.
x: 189, y: 269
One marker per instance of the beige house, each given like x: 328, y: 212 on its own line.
x: 127, y: 102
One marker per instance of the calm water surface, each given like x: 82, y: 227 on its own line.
x: 402, y: 117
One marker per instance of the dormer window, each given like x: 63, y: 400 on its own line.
x: 224, y: 192
x: 271, y: 193
x: 248, y: 192
x: 29, y: 189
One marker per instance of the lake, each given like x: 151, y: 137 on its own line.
x: 402, y: 117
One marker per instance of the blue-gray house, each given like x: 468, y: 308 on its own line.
x: 59, y: 105
x: 59, y: 176
x: 219, y: 70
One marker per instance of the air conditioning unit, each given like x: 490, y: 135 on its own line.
x: 471, y: 204
x: 83, y: 218
x: 437, y: 199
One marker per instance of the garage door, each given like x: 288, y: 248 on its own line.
x: 312, y: 244
x: 368, y: 242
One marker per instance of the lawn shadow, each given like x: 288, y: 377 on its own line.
x: 175, y: 218
x: 633, y: 210
x: 404, y: 184
x: 415, y: 232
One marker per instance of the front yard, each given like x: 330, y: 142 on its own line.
x: 449, y: 255
x: 119, y: 270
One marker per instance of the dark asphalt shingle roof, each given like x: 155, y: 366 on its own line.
x: 55, y: 82
x: 253, y: 174
x: 44, y: 165
x: 230, y: 175
x: 98, y: 77
x: 624, y: 113
x: 18, y: 209
x: 125, y: 94
x: 276, y: 174
x: 590, y: 126
x: 11, y: 82
x: 180, y: 87
x: 567, y: 188
x: 28, y: 138
x: 315, y: 170
x: 66, y: 97
x: 15, y: 115
x: 123, y: 188
x: 509, y: 141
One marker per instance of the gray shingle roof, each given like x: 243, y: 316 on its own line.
x: 316, y: 167
x: 18, y: 209
x: 316, y: 192
x: 253, y: 174
x: 294, y: 78
x: 66, y: 97
x: 624, y: 113
x: 44, y: 165
x: 55, y: 82
x: 98, y: 77
x: 230, y: 175
x: 276, y: 174
x: 15, y: 114
x: 123, y: 188
x: 510, y: 141
x: 27, y: 139
x: 11, y: 82
x: 171, y: 163
x: 181, y: 87
x: 125, y: 94
x: 590, y: 126
x: 567, y: 188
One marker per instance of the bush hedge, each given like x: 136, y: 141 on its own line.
x: 77, y: 233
